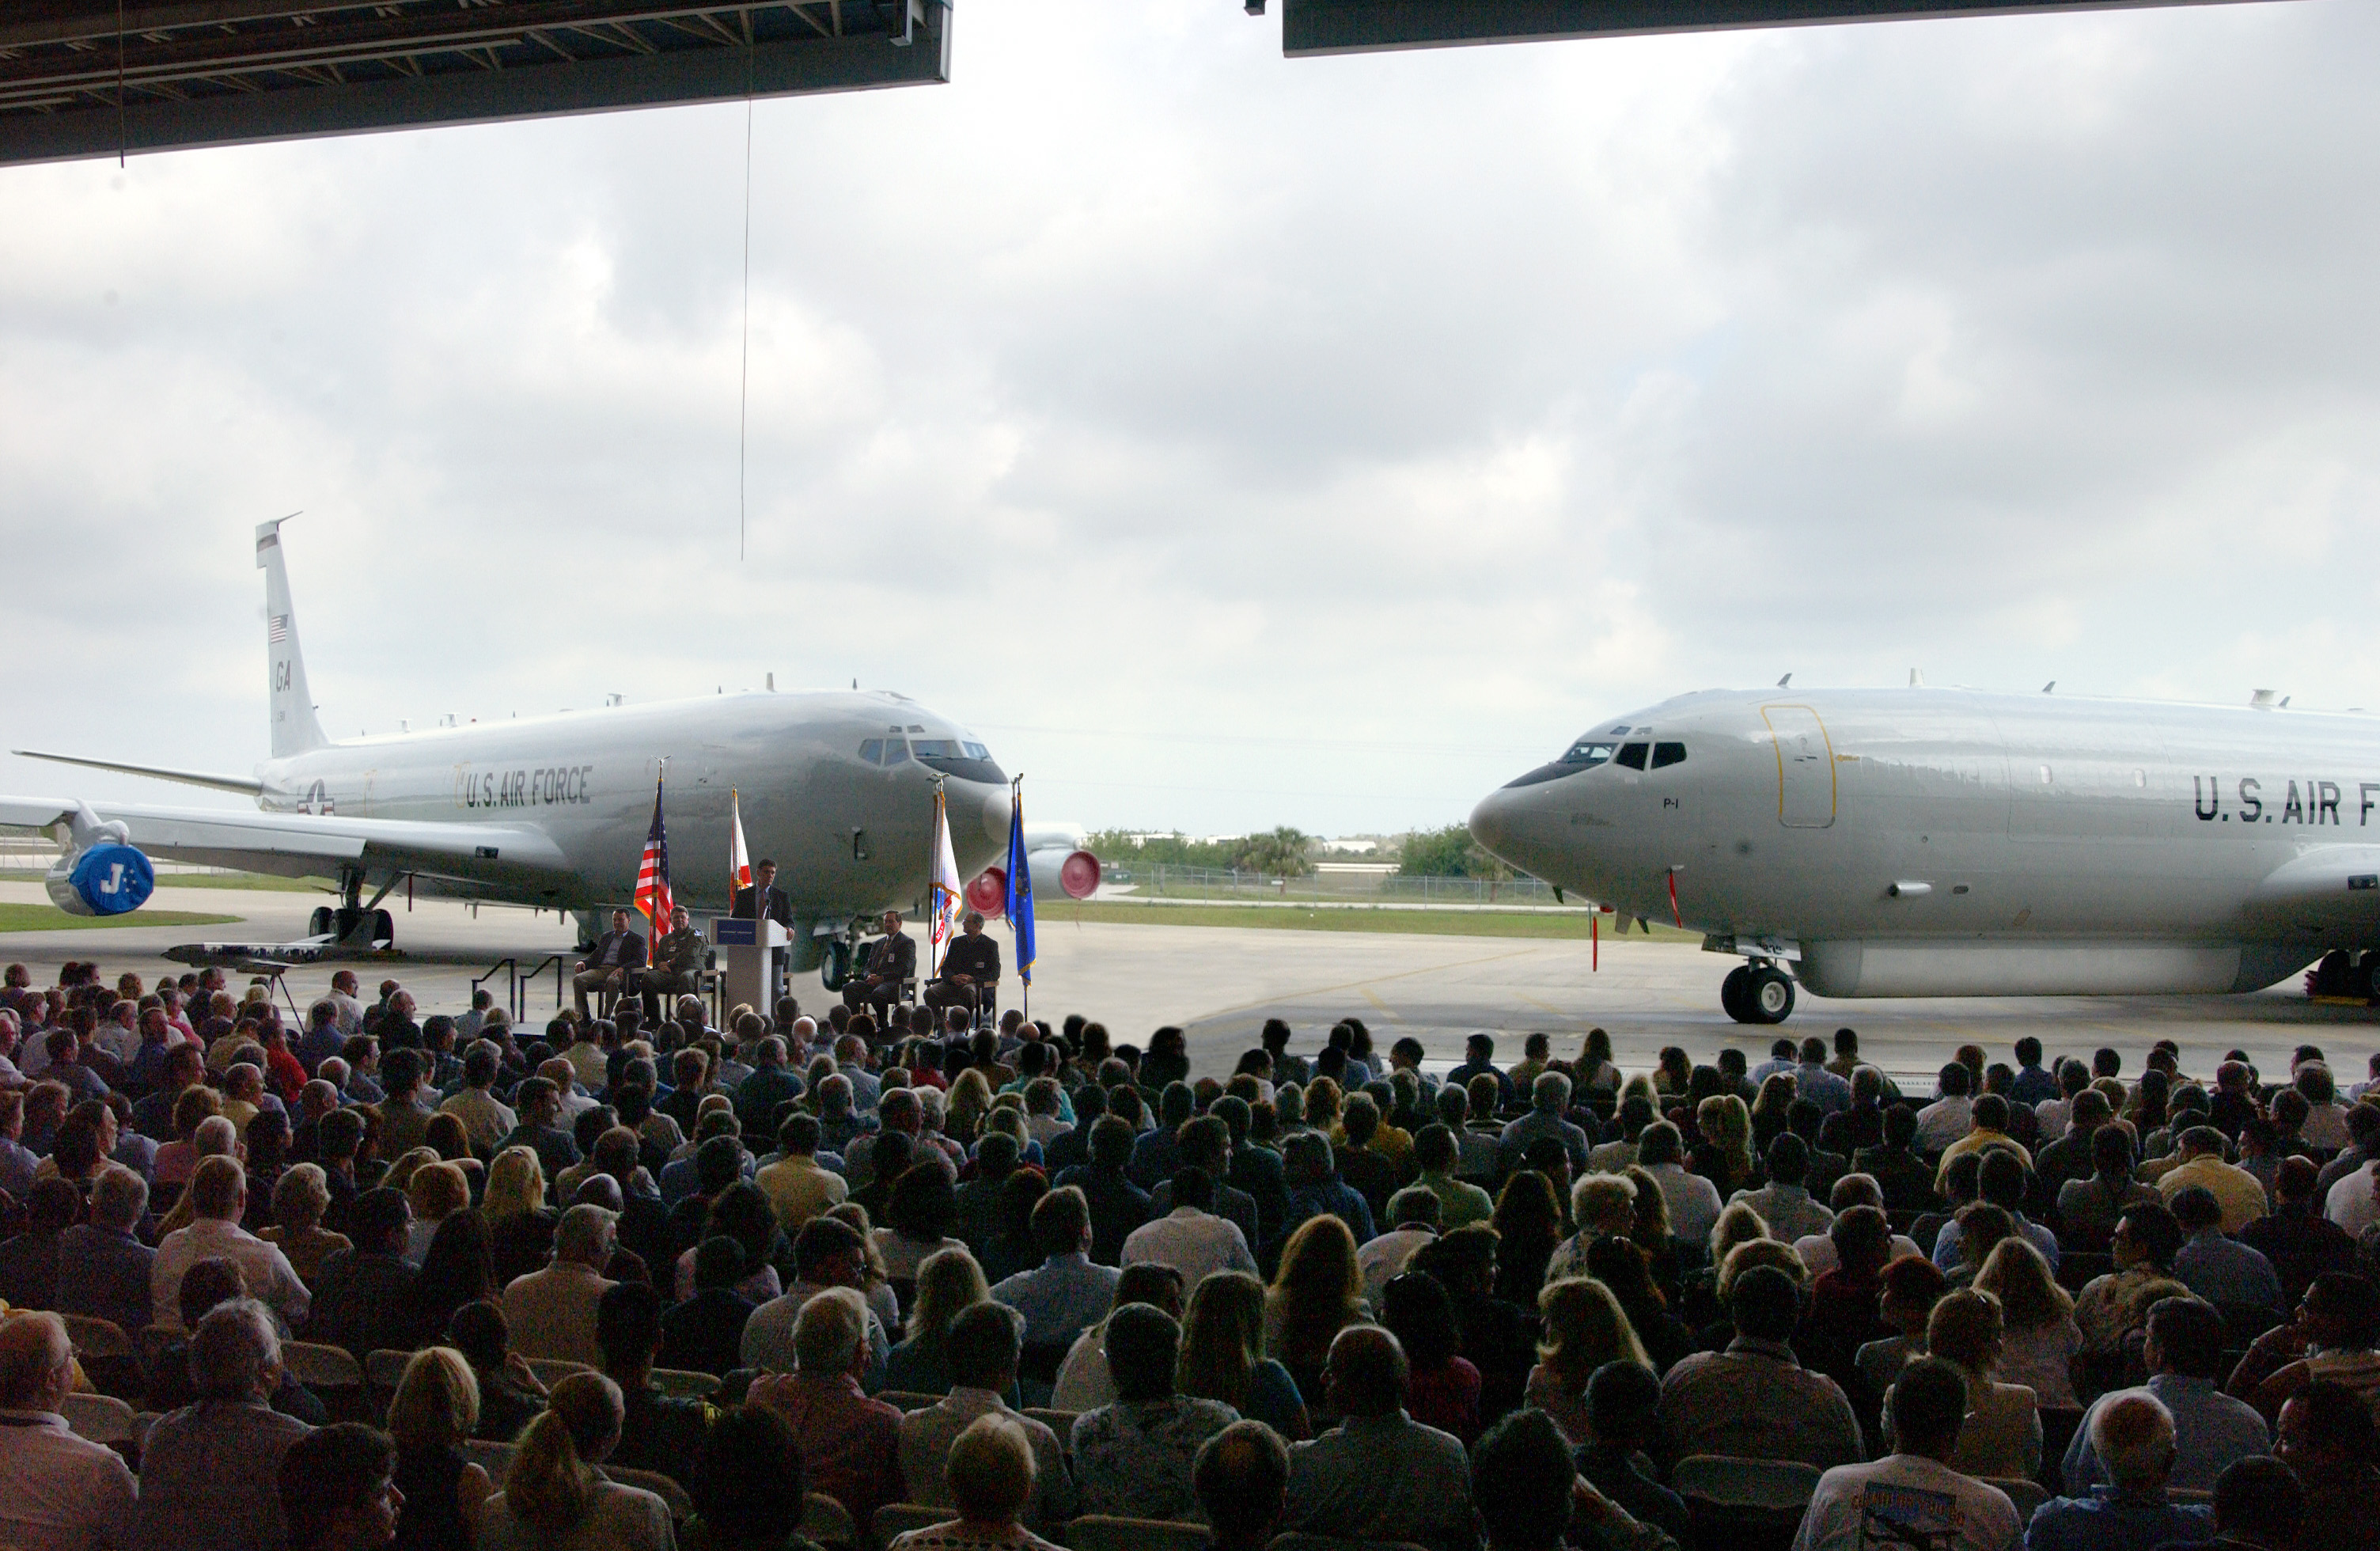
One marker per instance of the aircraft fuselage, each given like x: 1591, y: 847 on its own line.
x: 1941, y: 842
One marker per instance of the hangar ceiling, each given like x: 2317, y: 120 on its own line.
x: 1312, y: 27
x: 88, y: 78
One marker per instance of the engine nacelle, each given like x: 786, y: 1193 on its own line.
x: 108, y: 878
x: 1073, y: 874
x: 1056, y: 872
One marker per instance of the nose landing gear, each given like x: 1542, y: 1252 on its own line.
x: 1757, y: 992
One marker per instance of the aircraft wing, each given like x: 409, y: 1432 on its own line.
x: 305, y: 845
x: 2323, y: 888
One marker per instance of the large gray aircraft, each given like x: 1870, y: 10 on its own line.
x: 552, y: 811
x: 1932, y: 842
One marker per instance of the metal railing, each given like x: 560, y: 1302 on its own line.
x: 517, y: 982
x: 1166, y: 880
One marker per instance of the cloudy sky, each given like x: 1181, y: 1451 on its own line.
x: 1232, y: 440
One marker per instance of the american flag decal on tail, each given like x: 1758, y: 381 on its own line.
x: 277, y: 628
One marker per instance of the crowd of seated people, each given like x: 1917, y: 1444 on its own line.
x: 1018, y: 1274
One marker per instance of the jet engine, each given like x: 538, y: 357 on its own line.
x: 1056, y: 871
x: 102, y: 872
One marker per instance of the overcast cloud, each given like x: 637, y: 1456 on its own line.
x: 1232, y: 440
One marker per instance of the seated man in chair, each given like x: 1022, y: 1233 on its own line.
x: 970, y: 976
x: 891, y: 963
x: 612, y: 967
x: 676, y: 964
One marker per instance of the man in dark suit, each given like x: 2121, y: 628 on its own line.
x: 612, y: 966
x: 970, y: 969
x: 765, y: 901
x: 774, y: 905
x: 892, y: 960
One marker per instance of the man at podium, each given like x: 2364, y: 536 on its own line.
x: 891, y: 963
x: 763, y: 901
x: 970, y: 969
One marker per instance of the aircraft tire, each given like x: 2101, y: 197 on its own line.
x: 383, y: 927
x: 322, y: 921
x: 1732, y: 997
x: 1769, y: 996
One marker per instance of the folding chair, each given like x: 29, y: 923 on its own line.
x: 1059, y: 1422
x: 108, y: 1356
x: 383, y: 1370
x: 551, y: 1371
x: 828, y: 1522
x: 100, y: 1418
x: 1745, y: 1503
x: 685, y: 1385
x: 332, y: 1373
x: 681, y: 1506
x: 1099, y: 1531
x: 2026, y: 1495
x: 894, y: 1520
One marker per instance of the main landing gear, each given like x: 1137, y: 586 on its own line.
x: 1757, y: 992
x: 355, y: 923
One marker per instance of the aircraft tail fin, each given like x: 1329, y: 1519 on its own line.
x: 294, y: 728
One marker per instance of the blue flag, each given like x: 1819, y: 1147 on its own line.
x: 1020, y: 889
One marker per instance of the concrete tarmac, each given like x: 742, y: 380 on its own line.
x: 1220, y: 984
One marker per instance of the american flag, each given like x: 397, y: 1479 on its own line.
x: 277, y: 628
x: 652, y: 872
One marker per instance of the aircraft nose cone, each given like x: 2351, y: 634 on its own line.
x: 997, y: 810
x: 1491, y: 821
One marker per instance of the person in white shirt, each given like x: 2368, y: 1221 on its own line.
x: 1913, y: 1497
x: 2350, y: 1203
x: 1693, y: 1201
x: 1949, y: 1117
x: 1191, y: 1238
x: 1817, y: 1249
x: 552, y: 1312
x: 487, y: 1120
x: 218, y: 1193
x: 1415, y: 1210
x: 57, y: 1492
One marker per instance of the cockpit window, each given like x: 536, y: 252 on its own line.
x: 1669, y: 753
x: 935, y: 748
x: 1632, y: 755
x: 976, y: 751
x: 1617, y: 731
x: 883, y: 751
x: 1588, y: 752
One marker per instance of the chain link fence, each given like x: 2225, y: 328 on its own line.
x: 1342, y: 886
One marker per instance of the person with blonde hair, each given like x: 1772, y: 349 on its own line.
x: 969, y: 1102
x: 520, y: 1225
x: 1223, y: 1355
x: 948, y: 1281
x: 2002, y: 1436
x: 1586, y: 1327
x: 435, y: 1410
x: 1316, y: 1292
x: 1738, y: 1224
x: 437, y: 1191
x: 1723, y: 1153
x: 991, y: 1476
x: 1604, y: 1206
x: 555, y: 1499
x: 2039, y: 1340
x: 300, y: 1198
